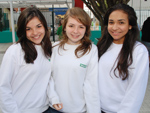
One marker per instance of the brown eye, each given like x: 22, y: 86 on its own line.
x: 70, y: 25
x: 110, y: 22
x: 39, y: 26
x: 27, y: 29
x: 121, y: 22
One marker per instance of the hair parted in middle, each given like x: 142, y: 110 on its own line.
x: 28, y: 46
x: 125, y: 56
x: 81, y: 16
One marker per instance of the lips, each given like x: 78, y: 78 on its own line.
x: 75, y: 36
x: 36, y: 37
x: 115, y: 33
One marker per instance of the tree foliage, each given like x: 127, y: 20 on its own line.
x: 99, y: 7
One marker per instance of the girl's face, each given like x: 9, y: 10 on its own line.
x: 118, y: 26
x: 35, y: 31
x: 75, y: 31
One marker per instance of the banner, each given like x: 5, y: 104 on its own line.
x: 79, y: 3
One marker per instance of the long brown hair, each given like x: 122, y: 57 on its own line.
x: 27, y: 46
x: 125, y: 56
x: 80, y: 15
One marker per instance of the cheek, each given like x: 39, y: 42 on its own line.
x: 125, y: 29
x: 83, y: 31
x: 44, y: 32
x: 68, y: 31
x: 27, y: 34
x: 109, y: 28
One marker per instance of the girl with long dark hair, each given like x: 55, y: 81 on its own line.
x: 26, y: 85
x: 123, y: 62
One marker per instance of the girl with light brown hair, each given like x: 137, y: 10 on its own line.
x: 75, y: 65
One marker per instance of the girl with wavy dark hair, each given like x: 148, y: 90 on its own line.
x: 26, y: 85
x: 75, y: 65
x: 123, y: 62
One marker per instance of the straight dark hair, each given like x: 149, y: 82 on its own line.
x: 28, y: 46
x: 125, y: 56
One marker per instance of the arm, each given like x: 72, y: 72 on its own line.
x: 135, y: 91
x: 91, y: 92
x: 53, y: 97
x: 7, y: 70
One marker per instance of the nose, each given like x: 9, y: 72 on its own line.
x: 114, y: 26
x: 75, y: 30
x: 34, y: 31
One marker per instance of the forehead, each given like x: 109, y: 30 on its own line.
x: 118, y: 15
x: 74, y: 21
x: 33, y: 21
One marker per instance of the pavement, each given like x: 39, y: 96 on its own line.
x: 146, y: 103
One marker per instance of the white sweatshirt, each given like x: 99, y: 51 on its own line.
x: 23, y: 87
x: 118, y: 96
x: 76, y: 79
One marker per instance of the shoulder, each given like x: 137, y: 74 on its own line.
x: 93, y: 50
x: 55, y: 44
x: 94, y: 47
x: 14, y: 48
x: 140, y: 47
x: 13, y: 52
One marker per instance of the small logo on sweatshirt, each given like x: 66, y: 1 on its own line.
x: 83, y: 65
x: 49, y: 59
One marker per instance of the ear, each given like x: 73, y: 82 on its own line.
x: 130, y: 27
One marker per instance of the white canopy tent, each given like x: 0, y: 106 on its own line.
x: 140, y: 4
x: 142, y: 8
x: 38, y: 3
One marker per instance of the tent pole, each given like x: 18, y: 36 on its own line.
x: 53, y: 22
x: 132, y: 3
x: 12, y: 22
x: 140, y: 15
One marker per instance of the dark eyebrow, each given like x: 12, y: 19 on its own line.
x: 39, y: 24
x: 36, y: 25
x: 122, y: 20
x: 110, y: 20
x: 27, y: 27
x: 71, y: 24
x: 118, y: 20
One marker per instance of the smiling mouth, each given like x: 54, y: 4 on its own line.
x: 75, y: 36
x: 115, y: 33
x: 37, y: 37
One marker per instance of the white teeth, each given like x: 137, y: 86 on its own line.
x: 75, y: 35
x: 36, y: 37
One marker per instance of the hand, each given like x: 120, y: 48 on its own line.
x: 58, y: 106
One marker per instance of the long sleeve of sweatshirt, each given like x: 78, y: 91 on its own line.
x: 135, y: 91
x: 7, y: 69
x: 91, y: 85
x: 53, y: 97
